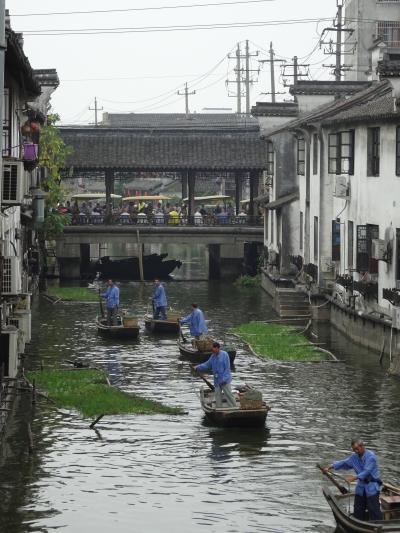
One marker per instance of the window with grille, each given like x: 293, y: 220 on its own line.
x: 335, y: 240
x: 341, y: 152
x: 301, y: 156
x: 365, y: 236
x: 389, y: 32
x: 270, y: 159
x: 373, y: 151
x: 6, y: 122
x: 6, y: 285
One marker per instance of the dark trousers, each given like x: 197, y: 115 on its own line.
x: 160, y: 312
x: 112, y: 316
x: 362, y: 504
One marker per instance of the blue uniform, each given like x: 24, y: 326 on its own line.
x: 196, y: 321
x: 159, y: 297
x: 220, y: 365
x: 112, y: 297
x: 367, y: 471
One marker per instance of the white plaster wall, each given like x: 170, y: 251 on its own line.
x: 309, y: 102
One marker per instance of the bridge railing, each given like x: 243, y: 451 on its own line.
x: 159, y: 219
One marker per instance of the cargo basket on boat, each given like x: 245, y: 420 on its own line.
x: 251, y: 399
x: 130, y: 322
x: 204, y: 345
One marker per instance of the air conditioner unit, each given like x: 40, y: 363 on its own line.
x: 17, y: 322
x: 25, y: 323
x: 341, y: 187
x: 11, y: 281
x: 378, y: 249
x: 396, y: 317
x: 9, y: 343
x: 13, y: 186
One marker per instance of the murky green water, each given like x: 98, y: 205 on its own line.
x: 176, y: 474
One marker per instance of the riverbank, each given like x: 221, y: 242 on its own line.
x: 88, y: 392
x: 279, y: 342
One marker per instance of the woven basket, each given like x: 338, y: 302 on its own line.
x: 204, y: 345
x: 130, y: 322
x: 250, y: 404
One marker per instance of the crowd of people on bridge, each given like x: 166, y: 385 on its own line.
x: 140, y: 212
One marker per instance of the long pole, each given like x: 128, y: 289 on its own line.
x: 96, y: 109
x: 2, y: 64
x: 272, y: 63
x: 338, y: 69
x: 140, y: 256
x: 247, y: 78
x: 238, y: 81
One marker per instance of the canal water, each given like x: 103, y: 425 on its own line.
x: 175, y: 474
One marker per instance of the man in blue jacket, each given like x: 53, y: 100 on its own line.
x: 112, y: 302
x: 364, y: 463
x: 160, y: 303
x: 196, y: 321
x: 220, y: 366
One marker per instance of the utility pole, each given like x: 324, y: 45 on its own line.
x: 272, y: 62
x: 238, y: 81
x: 297, y: 72
x: 186, y: 94
x: 247, y: 77
x: 239, y: 77
x: 333, y: 48
x: 96, y: 109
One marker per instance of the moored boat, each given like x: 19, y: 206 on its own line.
x: 127, y: 329
x: 192, y: 354
x: 154, y: 266
x: 170, y: 325
x: 227, y: 416
x: 342, y: 504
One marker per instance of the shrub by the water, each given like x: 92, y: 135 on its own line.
x: 248, y: 282
x: 73, y: 294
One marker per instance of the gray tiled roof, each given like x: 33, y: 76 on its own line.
x: 101, y: 148
x: 179, y: 121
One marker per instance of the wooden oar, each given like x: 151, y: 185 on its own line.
x: 101, y: 306
x: 332, y: 479
x: 209, y: 385
x: 184, y: 339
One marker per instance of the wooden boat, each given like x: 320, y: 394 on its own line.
x: 193, y: 355
x: 229, y: 417
x: 342, y: 507
x: 171, y: 325
x: 154, y: 266
x: 128, y: 329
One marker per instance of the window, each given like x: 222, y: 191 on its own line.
x: 301, y: 156
x: 389, y: 32
x: 301, y: 230
x: 335, y: 240
x: 365, y: 235
x: 270, y: 159
x: 398, y: 151
x: 315, y: 154
x: 6, y: 122
x: 373, y: 151
x: 341, y: 152
x: 350, y: 244
x: 316, y: 234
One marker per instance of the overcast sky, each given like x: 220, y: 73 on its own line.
x: 128, y: 72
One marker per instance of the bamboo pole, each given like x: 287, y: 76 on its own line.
x: 140, y: 256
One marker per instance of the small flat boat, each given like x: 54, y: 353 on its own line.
x: 126, y: 329
x: 171, y: 325
x: 342, y: 506
x: 192, y: 354
x: 229, y: 417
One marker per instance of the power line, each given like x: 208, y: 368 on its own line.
x: 155, y: 8
x: 155, y: 29
x: 137, y: 78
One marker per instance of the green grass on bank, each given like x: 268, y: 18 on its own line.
x: 248, y: 282
x: 73, y: 294
x: 283, y: 343
x: 87, y: 391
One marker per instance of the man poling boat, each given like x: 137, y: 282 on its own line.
x: 111, y: 296
x: 196, y: 321
x: 159, y: 300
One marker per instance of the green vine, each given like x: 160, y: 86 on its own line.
x: 53, y: 154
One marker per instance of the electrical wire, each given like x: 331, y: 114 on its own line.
x: 155, y: 8
x: 155, y: 29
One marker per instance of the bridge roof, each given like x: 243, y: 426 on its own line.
x: 163, y: 148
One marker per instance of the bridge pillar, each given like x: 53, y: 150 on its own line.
x: 109, y: 191
x: 252, y: 253
x: 69, y: 260
x: 225, y: 261
x: 184, y: 178
x: 254, y: 183
x: 191, y: 188
x: 238, y: 191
